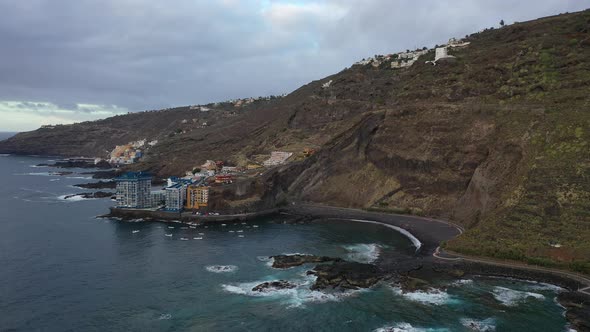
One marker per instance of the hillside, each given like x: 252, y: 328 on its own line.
x: 496, y: 140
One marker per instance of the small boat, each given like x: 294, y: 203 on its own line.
x: 197, y: 238
x: 169, y: 235
x: 183, y: 239
x: 223, y: 225
x: 135, y: 231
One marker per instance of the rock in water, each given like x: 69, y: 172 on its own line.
x: 287, y: 261
x: 578, y: 309
x: 348, y: 275
x: 270, y: 286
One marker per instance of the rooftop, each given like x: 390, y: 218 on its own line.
x: 134, y: 176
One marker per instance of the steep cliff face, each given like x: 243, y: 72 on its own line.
x: 496, y: 140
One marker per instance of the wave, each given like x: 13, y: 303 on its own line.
x: 221, y: 268
x: 409, y: 235
x: 79, y: 177
x: 432, y: 297
x: 541, y: 286
x: 363, y: 253
x: 165, y: 317
x: 4, y: 155
x: 39, y: 174
x: 293, y: 297
x: 510, y: 297
x: 407, y: 327
x: 486, y: 325
x: 462, y: 282
x: 75, y: 198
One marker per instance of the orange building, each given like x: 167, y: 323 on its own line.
x: 196, y: 197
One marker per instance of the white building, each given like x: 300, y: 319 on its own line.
x: 277, y: 158
x: 133, y: 190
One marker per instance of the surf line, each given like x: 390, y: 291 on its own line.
x: 409, y: 235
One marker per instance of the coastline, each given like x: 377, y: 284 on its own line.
x: 183, y: 217
x: 426, y: 234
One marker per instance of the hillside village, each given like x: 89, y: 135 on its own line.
x: 190, y: 192
x: 408, y: 58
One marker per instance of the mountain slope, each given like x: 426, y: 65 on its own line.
x: 496, y: 140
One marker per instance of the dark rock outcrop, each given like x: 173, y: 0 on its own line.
x: 288, y: 261
x: 270, y: 286
x: 346, y: 275
x: 578, y: 309
x: 97, y: 185
x: 97, y: 194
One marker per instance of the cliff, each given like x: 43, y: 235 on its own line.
x: 496, y: 140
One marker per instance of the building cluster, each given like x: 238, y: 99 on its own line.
x: 129, y: 153
x: 277, y: 158
x: 134, y: 192
x: 441, y: 53
x: 408, y: 58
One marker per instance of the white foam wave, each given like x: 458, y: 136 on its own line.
x: 541, y: 286
x: 363, y: 253
x: 433, y: 296
x: 486, y: 325
x: 511, y: 297
x: 79, y: 177
x: 4, y: 155
x: 221, y: 268
x: 409, y: 235
x: 293, y: 297
x: 165, y: 316
x: 75, y: 198
x: 407, y: 327
x: 39, y: 174
x: 462, y: 282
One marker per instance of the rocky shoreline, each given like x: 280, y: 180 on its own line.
x: 97, y: 185
x: 410, y: 271
x: 419, y: 270
x: 96, y: 194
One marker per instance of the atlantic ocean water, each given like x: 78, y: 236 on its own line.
x: 63, y: 269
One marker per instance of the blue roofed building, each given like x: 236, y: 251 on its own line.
x: 134, y: 190
x: 175, y: 196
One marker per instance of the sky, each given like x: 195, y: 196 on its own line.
x: 64, y: 61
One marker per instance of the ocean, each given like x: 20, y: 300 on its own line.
x: 63, y: 269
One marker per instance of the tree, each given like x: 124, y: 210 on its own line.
x: 501, y: 23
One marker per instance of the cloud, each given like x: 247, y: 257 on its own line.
x: 147, y: 54
x: 24, y: 115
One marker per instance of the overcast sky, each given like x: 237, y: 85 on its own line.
x: 63, y: 61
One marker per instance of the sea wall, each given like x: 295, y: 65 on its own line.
x: 131, y: 214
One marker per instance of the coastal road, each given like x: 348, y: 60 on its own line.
x: 584, y: 280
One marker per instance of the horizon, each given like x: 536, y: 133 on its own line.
x: 289, y: 44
